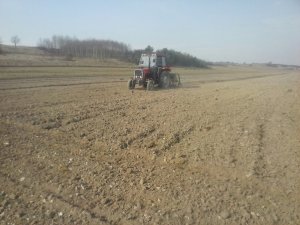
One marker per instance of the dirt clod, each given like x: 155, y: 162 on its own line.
x: 225, y: 214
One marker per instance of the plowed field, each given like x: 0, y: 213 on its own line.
x: 222, y: 149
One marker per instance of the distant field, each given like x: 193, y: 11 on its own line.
x: 29, y: 56
x: 28, y: 62
x: 124, y: 72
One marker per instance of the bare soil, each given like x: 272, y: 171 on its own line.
x: 222, y: 149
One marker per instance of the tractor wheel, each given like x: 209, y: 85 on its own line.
x: 150, y: 85
x: 164, y: 80
x: 130, y: 84
x: 178, y: 80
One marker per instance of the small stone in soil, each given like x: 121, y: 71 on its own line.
x: 225, y: 214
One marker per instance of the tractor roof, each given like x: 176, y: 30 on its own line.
x: 153, y: 54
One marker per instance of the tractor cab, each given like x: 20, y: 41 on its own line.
x: 152, y: 60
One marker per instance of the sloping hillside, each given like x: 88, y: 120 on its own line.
x: 33, y: 56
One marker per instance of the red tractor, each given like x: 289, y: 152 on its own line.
x: 153, y: 72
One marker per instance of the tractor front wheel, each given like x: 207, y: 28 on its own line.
x: 150, y: 85
x: 130, y: 84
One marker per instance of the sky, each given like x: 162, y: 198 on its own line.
x: 250, y: 31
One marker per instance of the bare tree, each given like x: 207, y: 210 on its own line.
x: 15, y: 40
x: 149, y: 49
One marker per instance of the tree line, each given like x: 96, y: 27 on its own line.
x: 176, y: 58
x: 91, y: 48
x: 103, y: 49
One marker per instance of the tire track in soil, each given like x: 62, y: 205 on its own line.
x: 237, y: 79
x: 63, y: 85
x: 177, y: 137
x: 122, y: 81
x: 259, y: 164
